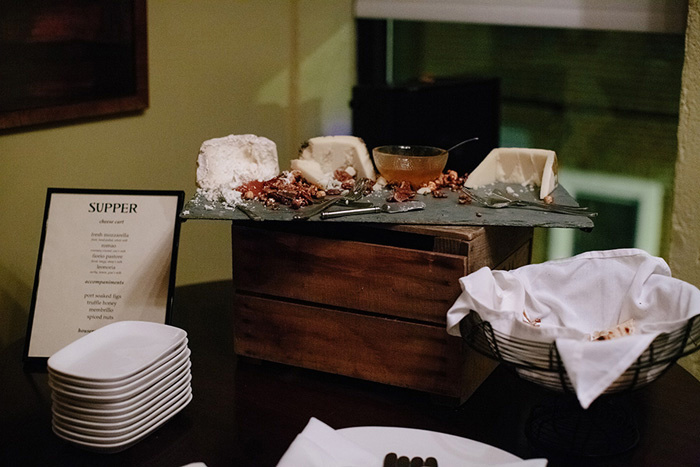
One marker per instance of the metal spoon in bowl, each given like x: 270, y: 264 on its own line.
x: 463, y: 142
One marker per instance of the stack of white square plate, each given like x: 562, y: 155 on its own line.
x: 116, y: 385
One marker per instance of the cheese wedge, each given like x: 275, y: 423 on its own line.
x: 330, y: 153
x: 525, y: 166
x: 312, y: 172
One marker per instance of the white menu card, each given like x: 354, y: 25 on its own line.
x: 105, y: 256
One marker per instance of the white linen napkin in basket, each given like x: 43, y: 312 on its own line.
x: 575, y: 297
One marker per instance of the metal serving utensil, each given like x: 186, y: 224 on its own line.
x: 356, y: 193
x: 506, y: 203
x: 248, y: 212
x: 354, y: 204
x: 389, y: 208
x: 501, y: 194
x: 476, y: 138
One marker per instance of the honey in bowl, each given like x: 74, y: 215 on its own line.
x: 415, y: 164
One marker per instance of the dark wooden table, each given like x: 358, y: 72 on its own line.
x: 247, y: 413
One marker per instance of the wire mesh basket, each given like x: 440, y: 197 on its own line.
x: 541, y: 363
x: 605, y: 428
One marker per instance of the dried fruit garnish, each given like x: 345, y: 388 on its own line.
x: 289, y: 189
x: 402, y: 192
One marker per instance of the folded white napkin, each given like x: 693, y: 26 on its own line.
x: 576, y: 297
x: 319, y: 445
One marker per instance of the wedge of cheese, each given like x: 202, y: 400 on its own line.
x: 517, y: 165
x: 312, y: 172
x: 320, y: 157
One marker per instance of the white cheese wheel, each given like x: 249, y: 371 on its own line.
x: 226, y: 163
x: 234, y: 160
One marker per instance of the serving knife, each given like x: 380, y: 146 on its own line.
x: 354, y: 195
x: 248, y: 212
x: 389, y: 208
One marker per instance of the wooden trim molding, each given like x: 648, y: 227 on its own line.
x: 658, y: 16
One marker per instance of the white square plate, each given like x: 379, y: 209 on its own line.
x: 70, y: 400
x: 120, y: 443
x: 118, y: 384
x: 109, y: 434
x: 116, y: 351
x: 91, y: 418
x: 125, y: 391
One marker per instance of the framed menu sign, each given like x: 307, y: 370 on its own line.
x: 104, y: 256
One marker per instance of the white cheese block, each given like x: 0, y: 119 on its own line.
x: 332, y: 153
x: 226, y: 163
x: 312, y: 172
x: 517, y: 165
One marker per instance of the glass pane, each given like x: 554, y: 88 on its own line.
x: 615, y: 225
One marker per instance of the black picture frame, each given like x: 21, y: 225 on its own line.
x: 73, y: 59
x: 73, y: 254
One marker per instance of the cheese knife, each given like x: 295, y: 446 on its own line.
x: 354, y: 195
x: 389, y: 208
x: 251, y: 215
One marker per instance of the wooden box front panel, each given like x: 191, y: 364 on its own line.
x: 400, y: 353
x: 367, y: 310
x: 401, y: 282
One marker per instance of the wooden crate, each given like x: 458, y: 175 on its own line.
x: 365, y: 301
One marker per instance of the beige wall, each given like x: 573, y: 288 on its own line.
x: 281, y: 69
x: 278, y: 68
x: 684, y: 255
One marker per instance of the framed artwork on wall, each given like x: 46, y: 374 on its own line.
x: 71, y: 59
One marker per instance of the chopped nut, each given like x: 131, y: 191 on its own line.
x: 548, y: 199
x: 402, y: 192
x: 249, y: 194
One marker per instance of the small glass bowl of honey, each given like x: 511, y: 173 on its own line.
x: 415, y: 164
